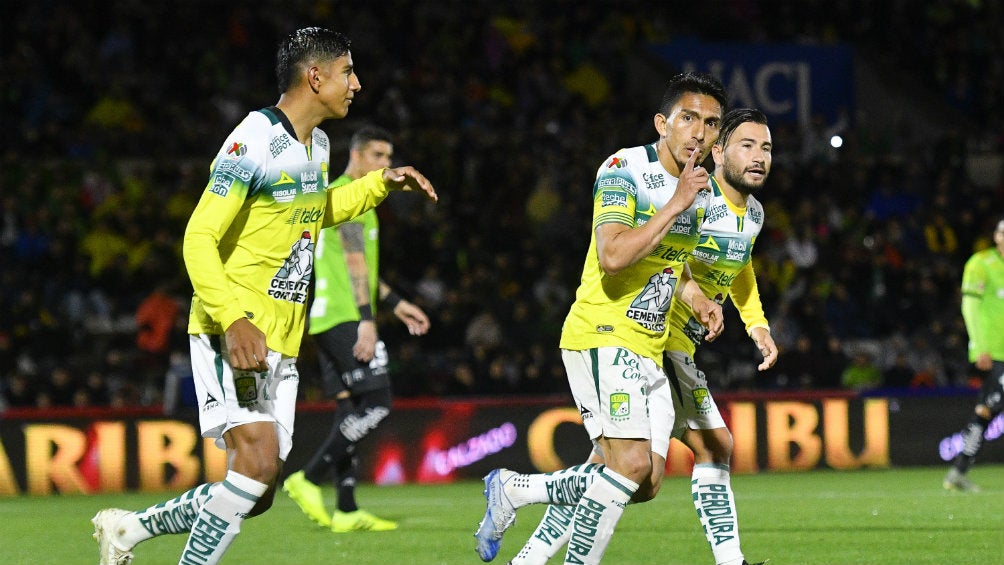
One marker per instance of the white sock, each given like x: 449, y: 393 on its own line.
x: 174, y: 516
x: 596, y: 516
x: 551, y: 535
x: 716, y: 508
x: 220, y: 519
x: 563, y: 487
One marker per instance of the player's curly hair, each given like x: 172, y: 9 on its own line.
x: 307, y: 45
x: 701, y: 83
x: 735, y: 118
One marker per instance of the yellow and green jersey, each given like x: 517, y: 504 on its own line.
x: 983, y: 303
x: 249, y: 245
x: 629, y: 309
x: 721, y: 265
x: 334, y: 302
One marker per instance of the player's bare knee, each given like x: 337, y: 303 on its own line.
x: 635, y: 466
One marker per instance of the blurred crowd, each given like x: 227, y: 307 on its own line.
x: 113, y: 112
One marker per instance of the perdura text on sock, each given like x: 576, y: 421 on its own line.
x: 587, y: 518
x: 206, y: 535
x: 566, y: 490
x: 715, y: 504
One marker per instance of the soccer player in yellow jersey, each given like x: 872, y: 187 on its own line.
x: 721, y: 266
x: 248, y: 249
x: 648, y: 204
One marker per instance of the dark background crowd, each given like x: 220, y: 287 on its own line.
x: 112, y: 112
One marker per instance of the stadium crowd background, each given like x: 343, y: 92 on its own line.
x: 112, y: 112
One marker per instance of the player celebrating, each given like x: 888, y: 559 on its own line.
x: 648, y: 203
x: 248, y: 250
x: 721, y: 267
x: 353, y: 359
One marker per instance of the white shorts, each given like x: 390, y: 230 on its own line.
x: 692, y: 402
x: 229, y: 398
x: 611, y: 387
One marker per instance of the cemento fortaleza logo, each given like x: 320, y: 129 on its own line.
x: 649, y: 308
x: 292, y: 280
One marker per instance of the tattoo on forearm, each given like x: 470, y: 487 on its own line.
x: 352, y: 237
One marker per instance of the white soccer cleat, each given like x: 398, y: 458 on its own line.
x: 113, y: 551
x: 499, y: 514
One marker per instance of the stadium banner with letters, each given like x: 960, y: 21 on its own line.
x: 788, y: 82
x: 431, y: 441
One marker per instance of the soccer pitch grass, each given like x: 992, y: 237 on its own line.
x: 887, y: 517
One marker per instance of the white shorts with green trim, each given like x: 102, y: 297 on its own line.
x: 692, y: 401
x: 229, y: 398
x: 611, y: 387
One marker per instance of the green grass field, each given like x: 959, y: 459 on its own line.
x: 891, y: 517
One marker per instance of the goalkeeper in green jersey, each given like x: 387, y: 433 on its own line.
x: 983, y: 310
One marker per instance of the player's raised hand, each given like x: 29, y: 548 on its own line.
x: 408, y: 178
x: 693, y: 179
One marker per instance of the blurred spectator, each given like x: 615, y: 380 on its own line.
x: 899, y: 374
x: 19, y: 392
x: 96, y: 188
x: 862, y: 373
x: 830, y: 364
x: 156, y: 318
x: 59, y: 389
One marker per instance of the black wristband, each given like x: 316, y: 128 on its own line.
x: 366, y: 313
x: 392, y: 299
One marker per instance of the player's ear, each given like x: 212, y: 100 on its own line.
x: 660, y: 124
x: 718, y: 154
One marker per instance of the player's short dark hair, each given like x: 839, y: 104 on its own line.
x: 307, y: 45
x: 366, y: 134
x: 735, y: 118
x: 700, y: 83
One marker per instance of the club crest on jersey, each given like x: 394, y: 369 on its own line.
x: 620, y: 405
x: 702, y: 400
x: 238, y: 149
x: 649, y: 308
x: 292, y: 280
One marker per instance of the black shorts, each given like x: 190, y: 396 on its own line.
x: 341, y: 371
x: 992, y: 392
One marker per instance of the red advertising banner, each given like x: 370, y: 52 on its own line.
x: 429, y: 441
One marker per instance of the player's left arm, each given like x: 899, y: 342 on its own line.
x: 353, y: 249
x: 706, y: 311
x: 412, y: 316
x: 746, y: 296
